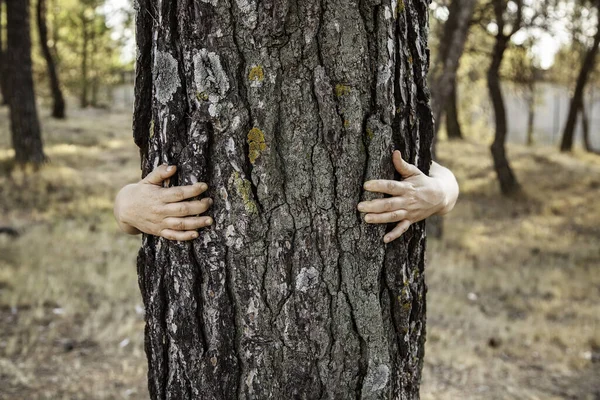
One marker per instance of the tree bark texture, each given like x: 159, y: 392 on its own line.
x: 284, y: 108
x: 577, y: 101
x: 58, y: 106
x: 452, y: 122
x: 3, y: 67
x: 451, y: 48
x: 25, y: 127
x: 508, y: 182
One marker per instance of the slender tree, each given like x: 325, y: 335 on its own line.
x: 451, y: 48
x: 285, y: 108
x: 25, y: 127
x: 576, y: 104
x: 3, y: 67
x: 452, y: 122
x: 58, y: 107
x: 506, y: 177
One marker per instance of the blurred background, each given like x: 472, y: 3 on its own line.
x: 513, y: 272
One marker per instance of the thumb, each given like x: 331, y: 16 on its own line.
x: 160, y: 173
x: 404, y: 169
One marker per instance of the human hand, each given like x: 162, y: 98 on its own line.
x: 414, y: 199
x: 149, y: 207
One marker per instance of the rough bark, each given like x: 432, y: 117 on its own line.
x: 577, y: 99
x: 508, y: 182
x: 530, y: 116
x: 452, y: 122
x: 285, y: 108
x: 25, y: 128
x: 3, y: 67
x: 58, y: 106
x: 451, y: 48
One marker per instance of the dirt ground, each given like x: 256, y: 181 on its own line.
x: 514, y: 286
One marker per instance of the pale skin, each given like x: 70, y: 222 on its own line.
x: 149, y: 207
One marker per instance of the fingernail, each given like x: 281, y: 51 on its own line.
x: 361, y: 207
x: 195, y: 235
x: 203, y: 186
x: 367, y: 186
x: 210, y: 202
x: 386, y: 239
x: 210, y: 221
x: 368, y: 218
x: 170, y: 168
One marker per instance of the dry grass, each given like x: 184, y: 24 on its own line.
x: 514, y: 285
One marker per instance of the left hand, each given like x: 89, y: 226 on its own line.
x: 414, y: 199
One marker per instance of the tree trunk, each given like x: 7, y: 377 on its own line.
x: 83, y: 101
x: 508, y: 181
x: 452, y: 122
x: 577, y: 100
x: 58, y: 108
x: 452, y: 44
x: 530, y: 116
x: 25, y: 127
x: 3, y: 66
x: 285, y: 109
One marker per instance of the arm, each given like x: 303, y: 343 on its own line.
x: 414, y: 199
x: 148, y: 207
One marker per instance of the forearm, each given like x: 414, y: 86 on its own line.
x: 117, y: 211
x: 448, y: 185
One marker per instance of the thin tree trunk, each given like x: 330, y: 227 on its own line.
x: 84, y: 62
x: 25, y: 128
x: 452, y: 44
x: 58, y: 108
x: 577, y: 100
x: 586, y: 131
x: 452, y: 123
x: 530, y: 116
x: 3, y: 66
x: 508, y: 181
x: 289, y: 295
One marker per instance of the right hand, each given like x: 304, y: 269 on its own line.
x: 150, y: 208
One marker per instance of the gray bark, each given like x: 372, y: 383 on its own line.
x: 284, y: 108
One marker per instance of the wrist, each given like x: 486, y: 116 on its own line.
x: 120, y: 214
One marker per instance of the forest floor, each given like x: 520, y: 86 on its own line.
x: 514, y: 286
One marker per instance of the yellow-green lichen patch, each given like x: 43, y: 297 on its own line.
x: 342, y: 90
x: 256, y: 142
x: 400, y: 6
x: 370, y: 133
x: 151, y: 128
x: 257, y: 74
x: 243, y: 188
x: 346, y: 123
x: 202, y: 96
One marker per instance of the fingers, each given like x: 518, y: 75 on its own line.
x: 188, y: 224
x: 404, y: 169
x: 180, y: 193
x: 160, y: 173
x: 397, y: 231
x: 178, y: 235
x: 394, y: 188
x: 383, y: 205
x: 386, y: 218
x: 184, y: 209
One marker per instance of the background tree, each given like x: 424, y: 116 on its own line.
x: 3, y: 69
x: 577, y: 104
x: 450, y: 49
x: 58, y: 107
x: 290, y: 294
x: 25, y: 128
